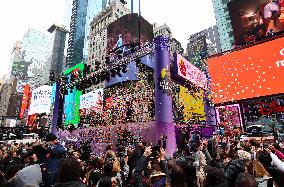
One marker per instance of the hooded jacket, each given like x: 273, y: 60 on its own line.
x: 233, y: 168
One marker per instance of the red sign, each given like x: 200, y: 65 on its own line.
x: 25, y: 100
x: 269, y: 108
x: 251, y: 72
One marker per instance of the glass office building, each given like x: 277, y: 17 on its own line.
x: 79, y: 14
x: 224, y: 25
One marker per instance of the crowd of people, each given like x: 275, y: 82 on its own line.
x: 215, y: 162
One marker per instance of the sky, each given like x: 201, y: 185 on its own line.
x: 184, y: 17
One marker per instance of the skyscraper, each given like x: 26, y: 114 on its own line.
x: 37, y: 49
x: 57, y: 57
x: 81, y: 13
x: 224, y: 25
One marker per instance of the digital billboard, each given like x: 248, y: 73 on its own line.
x: 41, y: 100
x: 255, y: 19
x: 191, y: 104
x: 251, y: 72
x: 267, y: 111
x: 185, y: 70
x: 125, y: 31
x: 25, y: 101
x: 93, y: 100
x: 229, y: 117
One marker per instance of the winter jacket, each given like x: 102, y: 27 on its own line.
x: 30, y: 175
x: 232, y: 169
x: 70, y: 184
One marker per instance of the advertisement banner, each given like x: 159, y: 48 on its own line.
x: 189, y: 72
x: 92, y: 100
x: 256, y: 19
x: 20, y: 85
x: 268, y: 112
x: 25, y: 101
x: 229, y: 117
x: 41, y: 100
x: 252, y: 72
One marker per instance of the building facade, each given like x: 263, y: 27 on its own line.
x: 224, y: 25
x: 57, y: 58
x: 37, y: 50
x: 166, y: 31
x: 162, y: 30
x: 79, y: 14
x: 211, y: 37
x: 98, y: 35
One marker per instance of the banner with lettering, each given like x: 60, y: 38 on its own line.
x: 41, y: 100
x: 92, y: 99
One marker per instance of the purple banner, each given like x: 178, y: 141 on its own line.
x: 163, y: 99
x: 55, y: 108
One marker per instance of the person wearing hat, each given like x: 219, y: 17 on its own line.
x: 52, y: 159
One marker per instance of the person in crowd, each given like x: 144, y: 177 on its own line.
x: 244, y: 179
x: 48, y: 156
x: 69, y: 174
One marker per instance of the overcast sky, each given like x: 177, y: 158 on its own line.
x: 184, y: 17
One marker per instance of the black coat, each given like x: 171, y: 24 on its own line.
x: 233, y: 168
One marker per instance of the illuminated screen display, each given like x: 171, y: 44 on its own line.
x: 41, y: 100
x: 255, y: 19
x: 125, y: 31
x: 71, y: 107
x: 264, y: 111
x: 25, y: 101
x: 191, y: 104
x: 92, y: 100
x: 229, y: 116
x: 248, y: 73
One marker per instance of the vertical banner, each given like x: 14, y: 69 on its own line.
x: 163, y: 99
x: 25, y: 101
x: 56, y: 97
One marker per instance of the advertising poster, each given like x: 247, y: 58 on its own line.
x: 92, y: 100
x: 125, y: 31
x: 256, y: 19
x: 248, y: 73
x: 191, y: 104
x: 268, y: 112
x: 41, y: 100
x: 185, y: 70
x: 229, y: 117
x: 25, y: 101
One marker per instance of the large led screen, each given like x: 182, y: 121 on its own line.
x: 255, y: 19
x: 125, y: 31
x: 229, y: 117
x: 268, y: 112
x: 248, y: 73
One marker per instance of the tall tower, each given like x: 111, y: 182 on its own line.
x: 224, y: 25
x: 77, y: 33
x: 57, y: 57
x: 82, y: 13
